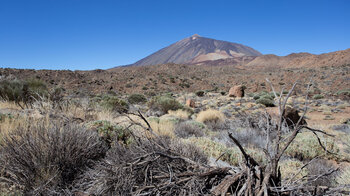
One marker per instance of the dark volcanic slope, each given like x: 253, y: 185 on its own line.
x: 196, y: 49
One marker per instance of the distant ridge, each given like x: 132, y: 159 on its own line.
x: 196, y: 49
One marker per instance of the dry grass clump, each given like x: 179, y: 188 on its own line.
x: 290, y: 169
x: 344, y: 177
x: 217, y: 149
x: 163, y: 126
x: 181, y: 114
x: 40, y: 160
x: 306, y: 147
x: 212, y: 118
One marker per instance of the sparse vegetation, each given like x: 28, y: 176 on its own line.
x: 96, y: 146
x: 164, y: 103
x: 318, y: 96
x: 211, y: 117
x: 137, y: 98
x: 113, y: 103
x: 45, y: 160
x: 22, y: 91
x: 200, y: 93
x: 189, y: 129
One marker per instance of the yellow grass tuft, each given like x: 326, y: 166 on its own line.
x: 291, y: 169
x: 165, y: 126
x: 210, y: 115
x: 182, y: 114
x: 344, y: 177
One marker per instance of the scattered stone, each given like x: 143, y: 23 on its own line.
x: 328, y: 117
x: 190, y: 103
x: 236, y: 91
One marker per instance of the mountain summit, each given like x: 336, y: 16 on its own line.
x: 196, y: 49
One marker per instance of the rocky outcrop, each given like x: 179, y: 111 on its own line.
x: 236, y: 91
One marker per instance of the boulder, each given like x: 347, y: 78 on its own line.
x: 190, y: 103
x: 236, y: 91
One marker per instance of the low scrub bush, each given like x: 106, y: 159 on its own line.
x: 230, y: 155
x: 306, y: 147
x: 344, y: 92
x: 182, y: 114
x: 189, y: 129
x: 265, y: 98
x: 113, y: 103
x: 266, y: 102
x: 22, y: 90
x: 317, y: 96
x: 43, y: 160
x: 200, y: 93
x: 164, y: 126
x: 290, y: 168
x: 212, y: 118
x: 119, y: 174
x: 344, y: 176
x: 110, y: 133
x: 164, y: 104
x: 137, y: 98
x: 210, y: 115
x: 317, y: 167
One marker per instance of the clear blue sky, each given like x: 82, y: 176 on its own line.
x: 91, y: 34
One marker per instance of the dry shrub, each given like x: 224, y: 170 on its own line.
x: 163, y: 126
x: 41, y: 160
x: 306, y: 147
x: 290, y: 169
x: 344, y: 177
x: 317, y: 167
x: 138, y: 169
x: 212, y: 118
x: 231, y: 155
x: 189, y: 129
x: 182, y: 114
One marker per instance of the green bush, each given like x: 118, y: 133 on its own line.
x: 266, y: 101
x: 110, y: 133
x: 199, y: 93
x: 113, y: 103
x: 22, y: 90
x: 318, y: 96
x: 344, y: 92
x: 164, y: 104
x: 256, y: 97
x: 273, y: 94
x: 137, y: 98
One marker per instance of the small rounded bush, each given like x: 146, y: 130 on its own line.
x: 256, y: 97
x: 164, y: 104
x: 137, y: 98
x: 318, y: 96
x: 210, y: 116
x: 43, y: 160
x: 22, y: 90
x: 109, y: 133
x: 200, y: 93
x: 189, y: 129
x: 113, y: 103
x: 266, y: 101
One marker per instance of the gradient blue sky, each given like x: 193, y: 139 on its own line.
x: 91, y: 34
